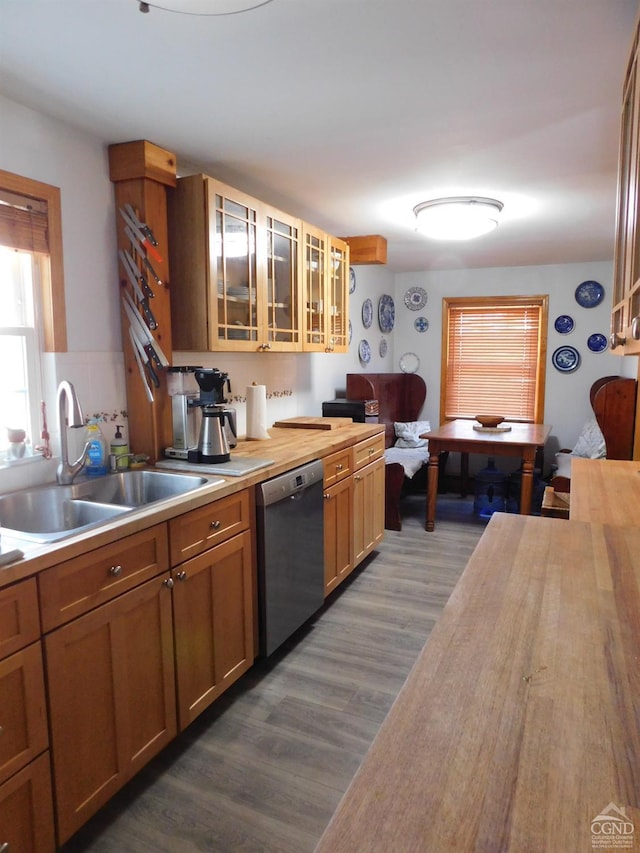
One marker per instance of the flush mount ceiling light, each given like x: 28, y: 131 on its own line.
x: 457, y: 218
x: 204, y: 7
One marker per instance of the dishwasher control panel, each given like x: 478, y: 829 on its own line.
x: 289, y: 483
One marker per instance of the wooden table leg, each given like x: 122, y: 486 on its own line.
x: 526, y: 487
x: 464, y: 475
x: 432, y: 490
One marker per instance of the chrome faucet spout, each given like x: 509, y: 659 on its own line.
x: 68, y: 408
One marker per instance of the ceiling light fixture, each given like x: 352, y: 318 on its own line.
x: 203, y: 7
x: 457, y: 218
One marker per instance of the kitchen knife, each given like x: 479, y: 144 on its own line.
x: 156, y: 353
x: 140, y: 226
x: 140, y: 366
x: 145, y: 355
x: 142, y: 281
x: 134, y: 281
x: 134, y: 318
x: 138, y: 229
x: 136, y: 245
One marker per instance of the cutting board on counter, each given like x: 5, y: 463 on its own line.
x: 314, y: 423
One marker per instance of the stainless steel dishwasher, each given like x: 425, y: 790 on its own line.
x: 290, y: 511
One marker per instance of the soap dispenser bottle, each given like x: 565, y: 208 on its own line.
x: 120, y: 449
x: 97, y: 462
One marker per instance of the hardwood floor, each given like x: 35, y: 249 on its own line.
x: 265, y: 767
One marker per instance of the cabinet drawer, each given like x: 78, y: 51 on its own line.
x: 196, y: 531
x: 74, y: 587
x: 337, y: 466
x: 19, y: 617
x: 23, y: 722
x: 367, y: 451
x: 26, y: 810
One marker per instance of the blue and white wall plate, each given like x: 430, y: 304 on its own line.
x: 386, y: 313
x: 383, y: 347
x: 564, y: 324
x: 350, y: 331
x: 589, y: 294
x: 364, y: 351
x: 352, y: 279
x: 566, y: 359
x: 367, y: 313
x: 597, y: 342
x: 409, y: 362
x: 421, y: 324
x: 415, y: 298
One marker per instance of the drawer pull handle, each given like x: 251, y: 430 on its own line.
x: 339, y: 466
x: 116, y: 571
x: 168, y: 583
x: 372, y: 450
x: 4, y: 848
x: 181, y: 575
x: 215, y: 525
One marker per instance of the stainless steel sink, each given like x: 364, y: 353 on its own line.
x: 52, y: 512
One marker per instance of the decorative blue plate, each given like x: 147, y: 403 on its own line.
x: 350, y: 331
x: 589, y: 294
x: 415, y: 298
x: 364, y: 351
x: 564, y: 324
x: 566, y: 359
x: 421, y: 324
x: 597, y: 342
x: 386, y: 313
x: 352, y: 279
x: 367, y: 313
x: 383, y: 348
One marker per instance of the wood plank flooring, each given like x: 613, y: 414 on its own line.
x: 265, y: 767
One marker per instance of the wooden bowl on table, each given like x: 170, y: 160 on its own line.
x: 489, y: 420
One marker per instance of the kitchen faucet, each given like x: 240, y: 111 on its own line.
x: 68, y: 407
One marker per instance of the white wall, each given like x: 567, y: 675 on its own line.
x: 45, y: 149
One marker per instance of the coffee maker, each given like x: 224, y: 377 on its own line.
x: 204, y: 426
x: 218, y: 431
x: 185, y: 414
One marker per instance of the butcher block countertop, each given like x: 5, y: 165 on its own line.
x: 605, y: 490
x: 288, y: 448
x: 518, y: 727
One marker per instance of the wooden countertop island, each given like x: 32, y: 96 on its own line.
x: 519, y: 725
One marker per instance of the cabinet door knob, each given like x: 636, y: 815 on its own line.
x: 181, y: 575
x: 215, y: 525
x: 339, y: 466
x: 4, y: 848
x: 357, y: 477
x: 326, y: 496
x: 168, y: 583
x: 116, y: 571
x: 372, y: 450
x: 1, y: 730
x: 616, y: 340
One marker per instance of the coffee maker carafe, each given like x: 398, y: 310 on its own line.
x: 218, y: 430
x: 185, y: 413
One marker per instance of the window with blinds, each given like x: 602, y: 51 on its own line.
x: 494, y: 355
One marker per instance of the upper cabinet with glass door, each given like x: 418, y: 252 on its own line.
x: 325, y: 276
x: 625, y: 316
x: 235, y: 269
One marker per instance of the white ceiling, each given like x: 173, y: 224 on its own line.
x: 349, y: 112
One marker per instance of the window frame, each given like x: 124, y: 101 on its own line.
x: 52, y: 301
x: 498, y: 302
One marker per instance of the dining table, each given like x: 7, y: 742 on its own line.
x: 467, y: 436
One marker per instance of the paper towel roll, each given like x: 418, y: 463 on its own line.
x: 257, y: 412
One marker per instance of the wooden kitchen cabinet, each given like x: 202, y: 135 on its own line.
x: 236, y: 265
x: 213, y: 623
x: 325, y: 276
x: 26, y: 810
x: 625, y: 318
x: 110, y: 679
x: 368, y: 496
x: 338, y: 533
x: 368, y: 509
x: 26, y: 813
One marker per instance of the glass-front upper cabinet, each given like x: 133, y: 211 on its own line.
x: 282, y: 318
x: 325, y: 270
x: 338, y: 318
